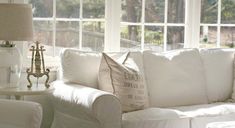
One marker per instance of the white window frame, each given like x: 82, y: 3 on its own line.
x: 192, y: 21
x: 218, y: 24
x: 165, y: 24
x: 54, y: 60
x: 113, y: 22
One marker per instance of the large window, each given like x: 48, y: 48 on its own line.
x: 69, y: 23
x: 217, y: 27
x: 145, y: 24
x: 113, y: 25
x: 152, y: 24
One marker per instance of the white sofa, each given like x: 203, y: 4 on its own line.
x: 20, y: 114
x: 187, y: 89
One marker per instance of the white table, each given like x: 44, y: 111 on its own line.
x: 226, y: 124
x: 20, y: 92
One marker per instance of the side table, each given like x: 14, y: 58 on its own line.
x: 20, y: 92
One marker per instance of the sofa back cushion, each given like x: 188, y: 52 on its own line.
x: 175, y: 78
x: 80, y: 67
x: 218, y: 64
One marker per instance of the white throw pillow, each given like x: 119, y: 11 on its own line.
x: 80, y: 67
x: 175, y: 78
x: 218, y: 64
x: 124, y: 79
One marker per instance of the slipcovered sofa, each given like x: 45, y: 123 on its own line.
x: 20, y: 114
x: 187, y: 88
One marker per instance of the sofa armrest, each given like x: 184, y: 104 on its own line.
x: 104, y: 106
x: 20, y: 114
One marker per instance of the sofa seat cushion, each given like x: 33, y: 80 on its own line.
x: 203, y: 115
x: 225, y: 124
x: 155, y: 118
x: 196, y: 116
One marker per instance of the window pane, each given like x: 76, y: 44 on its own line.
x: 154, y: 38
x: 175, y: 38
x: 227, y: 37
x: 154, y: 11
x: 209, y: 11
x: 67, y: 8
x: 67, y: 34
x: 44, y: 34
x: 93, y: 8
x: 176, y: 11
x: 208, y: 37
x: 131, y: 10
x: 130, y: 38
x: 93, y: 36
x: 42, y: 8
x: 227, y: 14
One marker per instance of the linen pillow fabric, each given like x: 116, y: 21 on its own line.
x: 218, y: 65
x: 175, y: 78
x: 124, y: 79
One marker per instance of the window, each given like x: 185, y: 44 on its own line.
x: 152, y: 24
x: 71, y: 23
x: 114, y: 25
x: 217, y: 27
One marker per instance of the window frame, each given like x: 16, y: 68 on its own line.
x: 113, y: 22
x: 218, y: 24
x: 165, y: 24
x: 54, y: 60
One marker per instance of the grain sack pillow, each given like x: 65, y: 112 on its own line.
x: 124, y: 80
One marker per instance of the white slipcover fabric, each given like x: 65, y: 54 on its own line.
x: 47, y: 108
x: 202, y: 115
x: 155, y: 118
x: 84, y: 107
x: 183, y: 80
x: 197, y: 116
x: 175, y: 78
x: 218, y: 66
x: 226, y: 124
x: 20, y: 114
x: 80, y: 67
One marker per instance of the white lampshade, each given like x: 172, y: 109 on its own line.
x: 16, y: 22
x: 15, y: 25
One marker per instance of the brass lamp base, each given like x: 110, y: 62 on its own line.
x: 7, y: 44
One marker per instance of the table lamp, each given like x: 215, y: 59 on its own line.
x: 15, y: 25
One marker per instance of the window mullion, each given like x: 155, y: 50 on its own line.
x: 218, y: 24
x: 192, y: 23
x: 142, y: 25
x: 112, y: 25
x: 80, y: 24
x: 54, y: 27
x: 165, y: 25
